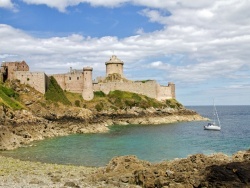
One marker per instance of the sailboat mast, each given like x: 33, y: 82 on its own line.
x: 216, y: 113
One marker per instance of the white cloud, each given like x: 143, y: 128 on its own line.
x: 62, y: 5
x: 155, y: 16
x: 204, y: 13
x: 7, y: 4
x: 239, y: 86
x: 211, y: 34
x: 156, y: 64
x: 3, y: 56
x: 140, y: 31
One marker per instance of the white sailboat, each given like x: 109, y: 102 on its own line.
x: 213, y: 125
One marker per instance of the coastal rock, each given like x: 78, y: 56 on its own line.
x: 8, y: 140
x: 242, y: 156
x: 2, y: 114
x: 120, y: 169
x: 160, y: 119
x: 12, y: 137
x: 235, y: 174
x: 195, y: 171
x: 217, y: 170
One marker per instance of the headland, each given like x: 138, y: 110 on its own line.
x: 28, y: 115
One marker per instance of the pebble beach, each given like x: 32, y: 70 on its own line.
x: 16, y: 173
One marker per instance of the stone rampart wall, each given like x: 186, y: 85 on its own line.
x: 147, y: 88
x: 80, y: 81
x: 60, y: 78
x: 163, y: 93
x: 72, y: 82
x: 36, y: 80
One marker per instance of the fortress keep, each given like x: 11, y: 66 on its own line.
x: 80, y: 81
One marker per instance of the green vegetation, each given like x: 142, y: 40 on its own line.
x: 74, y: 98
x: 9, y: 98
x: 9, y: 92
x: 99, y: 94
x: 124, y: 99
x: 55, y: 93
x: 99, y: 107
x: 173, y: 103
x: 119, y: 100
x: 77, y: 103
x: 144, y: 81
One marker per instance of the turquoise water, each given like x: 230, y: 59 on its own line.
x: 154, y: 143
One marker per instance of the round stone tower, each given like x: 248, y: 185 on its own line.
x: 114, y: 66
x: 87, y: 92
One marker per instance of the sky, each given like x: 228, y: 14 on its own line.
x: 202, y: 46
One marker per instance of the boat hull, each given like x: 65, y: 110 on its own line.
x: 212, y: 127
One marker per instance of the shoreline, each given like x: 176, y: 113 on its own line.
x: 197, y: 170
x: 129, y: 171
x: 13, y: 137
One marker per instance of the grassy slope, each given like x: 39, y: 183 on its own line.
x: 119, y: 100
x: 55, y: 93
x: 9, y: 98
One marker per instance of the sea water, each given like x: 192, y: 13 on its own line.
x: 154, y: 143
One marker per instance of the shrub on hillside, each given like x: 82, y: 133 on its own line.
x: 99, y: 94
x: 99, y: 107
x: 77, y: 103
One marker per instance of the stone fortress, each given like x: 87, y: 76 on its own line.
x: 80, y: 81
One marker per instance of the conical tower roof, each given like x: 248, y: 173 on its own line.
x: 114, y: 60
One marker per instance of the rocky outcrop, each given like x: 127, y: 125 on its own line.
x: 151, y: 115
x: 198, y: 170
x: 12, y: 137
x: 19, y: 132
